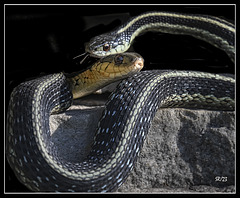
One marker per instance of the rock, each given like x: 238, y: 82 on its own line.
x: 185, y: 150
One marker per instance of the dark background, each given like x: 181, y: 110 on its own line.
x: 44, y: 39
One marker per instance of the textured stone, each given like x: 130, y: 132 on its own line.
x: 185, y: 150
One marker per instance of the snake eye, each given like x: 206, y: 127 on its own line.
x: 118, y: 59
x: 106, y: 47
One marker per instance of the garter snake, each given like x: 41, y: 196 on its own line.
x: 129, y: 110
x: 213, y: 30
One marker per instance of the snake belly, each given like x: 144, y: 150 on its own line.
x: 120, y: 134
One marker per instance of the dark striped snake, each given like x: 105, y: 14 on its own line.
x: 129, y: 110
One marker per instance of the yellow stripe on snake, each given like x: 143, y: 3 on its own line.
x: 122, y: 129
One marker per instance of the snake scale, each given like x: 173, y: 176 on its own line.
x: 129, y: 110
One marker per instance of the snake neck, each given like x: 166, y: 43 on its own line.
x: 84, y: 83
x: 213, y: 30
x: 89, y: 81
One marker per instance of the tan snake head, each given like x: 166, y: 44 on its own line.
x: 104, y: 72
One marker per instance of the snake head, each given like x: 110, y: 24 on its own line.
x: 106, y: 44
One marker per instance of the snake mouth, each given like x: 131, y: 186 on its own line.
x: 139, y: 63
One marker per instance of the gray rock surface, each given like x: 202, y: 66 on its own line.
x: 185, y: 150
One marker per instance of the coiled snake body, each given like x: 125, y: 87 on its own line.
x: 128, y: 114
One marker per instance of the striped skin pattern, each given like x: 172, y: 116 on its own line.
x: 32, y: 102
x: 121, y: 130
x: 213, y: 30
x: 125, y: 122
